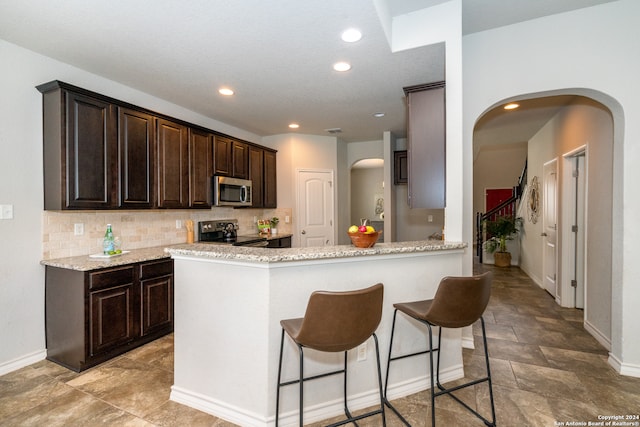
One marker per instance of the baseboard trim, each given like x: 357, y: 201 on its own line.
x: 467, y: 342
x: 214, y: 407
x: 627, y: 369
x: 312, y: 414
x: 599, y: 336
x: 22, y: 361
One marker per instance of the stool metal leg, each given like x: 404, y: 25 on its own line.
x: 449, y: 391
x: 301, y: 384
x: 433, y: 396
x: 279, y: 379
x: 300, y: 381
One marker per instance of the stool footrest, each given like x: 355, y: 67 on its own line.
x: 444, y: 390
x: 315, y: 377
x: 356, y: 418
x: 418, y: 353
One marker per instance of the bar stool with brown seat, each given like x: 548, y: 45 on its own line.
x: 459, y: 302
x: 335, y: 322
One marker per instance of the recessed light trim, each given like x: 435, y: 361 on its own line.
x: 511, y: 106
x: 342, y: 66
x: 225, y: 91
x: 351, y: 35
x: 294, y: 126
x: 378, y: 115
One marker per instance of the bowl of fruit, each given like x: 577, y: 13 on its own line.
x: 364, y: 236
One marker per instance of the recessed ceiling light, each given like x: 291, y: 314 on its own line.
x: 351, y: 35
x: 511, y: 106
x: 342, y: 66
x: 225, y: 91
x: 378, y: 115
x: 294, y: 126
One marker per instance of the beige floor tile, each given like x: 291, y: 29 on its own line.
x: 546, y: 369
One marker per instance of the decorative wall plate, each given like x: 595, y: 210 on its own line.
x: 533, y: 204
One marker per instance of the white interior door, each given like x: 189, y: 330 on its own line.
x: 550, y: 226
x: 315, y: 207
x: 579, y: 231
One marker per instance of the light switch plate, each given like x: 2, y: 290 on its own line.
x: 6, y: 211
x: 78, y: 229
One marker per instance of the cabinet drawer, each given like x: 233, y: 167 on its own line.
x: 156, y: 269
x: 111, y: 277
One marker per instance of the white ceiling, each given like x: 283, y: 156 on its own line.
x: 276, y: 55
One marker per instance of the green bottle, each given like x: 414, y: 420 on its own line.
x: 108, y: 245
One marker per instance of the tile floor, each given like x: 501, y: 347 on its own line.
x: 547, y: 371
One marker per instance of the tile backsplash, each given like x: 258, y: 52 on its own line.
x: 138, y: 229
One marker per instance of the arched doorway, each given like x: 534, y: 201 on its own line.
x: 553, y: 126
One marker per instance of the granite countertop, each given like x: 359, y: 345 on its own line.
x: 85, y: 263
x: 266, y: 255
x: 251, y: 254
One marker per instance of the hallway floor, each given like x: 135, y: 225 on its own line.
x: 546, y: 368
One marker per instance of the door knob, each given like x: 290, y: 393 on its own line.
x: 543, y: 234
x: 304, y: 232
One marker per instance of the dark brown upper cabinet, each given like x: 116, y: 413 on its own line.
x: 79, y: 150
x: 231, y: 158
x: 270, y: 195
x: 136, y: 144
x: 262, y: 173
x: 222, y: 156
x: 102, y: 153
x: 256, y: 175
x: 426, y: 146
x: 200, y: 168
x: 240, y: 158
x: 400, y: 171
x: 173, y: 164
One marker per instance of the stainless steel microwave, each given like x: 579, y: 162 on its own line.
x: 231, y: 191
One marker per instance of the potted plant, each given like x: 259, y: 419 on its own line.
x: 274, y: 224
x: 500, y: 230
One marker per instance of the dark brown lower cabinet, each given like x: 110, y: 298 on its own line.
x: 282, y: 242
x: 92, y: 316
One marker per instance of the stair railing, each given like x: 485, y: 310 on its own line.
x: 506, y: 208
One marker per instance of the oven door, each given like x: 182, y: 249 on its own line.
x: 231, y: 191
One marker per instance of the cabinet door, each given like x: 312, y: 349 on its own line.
x: 156, y: 308
x: 111, y: 317
x: 284, y: 242
x: 426, y: 152
x: 240, y: 159
x: 256, y: 175
x: 173, y: 165
x: 400, y: 172
x: 200, y: 168
x: 270, y: 196
x: 222, y: 156
x: 90, y: 153
x: 136, y: 142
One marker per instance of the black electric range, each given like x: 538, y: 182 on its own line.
x: 225, y: 231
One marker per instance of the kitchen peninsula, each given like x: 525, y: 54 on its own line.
x: 229, y: 302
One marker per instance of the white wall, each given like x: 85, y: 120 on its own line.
x: 366, y: 188
x: 589, y: 52
x: 21, y: 275
x: 584, y: 122
x: 437, y: 24
x: 496, y: 166
x: 300, y: 151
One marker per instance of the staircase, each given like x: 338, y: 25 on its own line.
x: 506, y: 208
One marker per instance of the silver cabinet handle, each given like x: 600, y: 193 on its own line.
x: 543, y: 234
